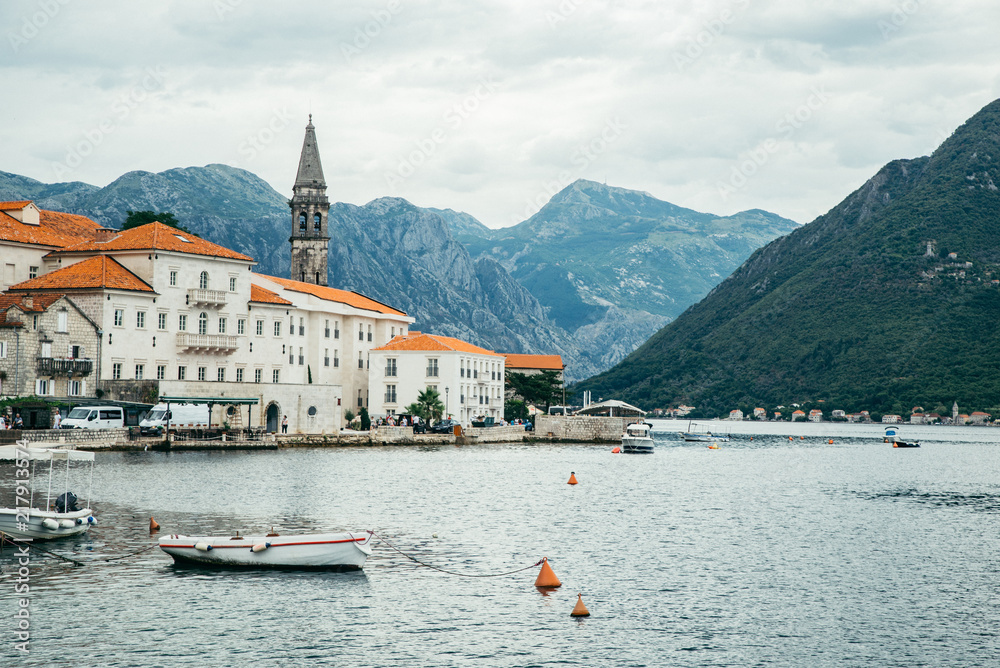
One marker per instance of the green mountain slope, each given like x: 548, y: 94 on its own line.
x: 851, y: 308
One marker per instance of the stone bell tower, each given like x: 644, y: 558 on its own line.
x: 310, y: 237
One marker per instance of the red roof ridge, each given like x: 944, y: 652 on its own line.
x: 15, y: 204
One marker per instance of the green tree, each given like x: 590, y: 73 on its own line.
x: 366, y: 422
x: 348, y: 416
x: 515, y: 409
x: 415, y: 409
x: 540, y: 389
x: 430, y: 402
x: 138, y: 218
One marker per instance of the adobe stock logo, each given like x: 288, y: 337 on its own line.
x: 33, y: 24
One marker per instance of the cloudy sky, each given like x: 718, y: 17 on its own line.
x: 491, y: 106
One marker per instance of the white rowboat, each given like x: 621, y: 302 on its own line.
x: 323, y: 551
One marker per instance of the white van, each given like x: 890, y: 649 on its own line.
x: 94, y: 417
x: 180, y: 416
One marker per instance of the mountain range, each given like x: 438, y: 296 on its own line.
x: 590, y: 277
x: 888, y: 301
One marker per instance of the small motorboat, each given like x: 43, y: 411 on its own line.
x: 59, y: 520
x: 321, y: 551
x: 638, y: 438
x: 904, y: 444
x: 892, y: 436
x: 696, y: 435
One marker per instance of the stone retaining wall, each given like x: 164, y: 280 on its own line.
x: 583, y: 428
x: 87, y: 438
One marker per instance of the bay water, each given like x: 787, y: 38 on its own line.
x: 768, y: 551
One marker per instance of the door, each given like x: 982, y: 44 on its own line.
x: 272, y: 418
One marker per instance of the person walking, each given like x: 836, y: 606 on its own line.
x: 284, y: 424
x: 57, y: 420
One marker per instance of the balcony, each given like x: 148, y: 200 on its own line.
x: 208, y: 297
x: 51, y: 366
x: 213, y: 343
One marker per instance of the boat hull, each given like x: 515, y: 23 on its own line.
x: 336, y: 552
x: 633, y: 445
x: 35, y: 528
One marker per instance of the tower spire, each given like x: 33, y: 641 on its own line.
x: 310, y: 206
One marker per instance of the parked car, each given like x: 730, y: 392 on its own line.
x: 445, y: 427
x: 94, y: 417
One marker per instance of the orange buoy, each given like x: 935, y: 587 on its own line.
x: 579, y: 610
x: 572, y: 478
x: 751, y: 438
x: 546, y: 576
x: 714, y: 446
x: 789, y: 438
x: 802, y: 438
x: 153, y: 526
x: 616, y: 450
x: 830, y: 441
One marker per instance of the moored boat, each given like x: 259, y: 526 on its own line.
x: 892, y: 436
x: 638, y: 438
x: 696, y: 434
x: 55, y: 520
x: 325, y: 551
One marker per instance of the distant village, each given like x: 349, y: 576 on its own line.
x: 97, y: 316
x: 794, y: 413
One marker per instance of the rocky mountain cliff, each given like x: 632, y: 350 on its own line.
x: 888, y: 301
x: 590, y: 277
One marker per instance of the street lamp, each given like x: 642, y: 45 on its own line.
x: 446, y: 402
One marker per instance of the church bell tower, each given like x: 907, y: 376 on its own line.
x: 310, y: 237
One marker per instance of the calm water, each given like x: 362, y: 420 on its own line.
x: 765, y: 552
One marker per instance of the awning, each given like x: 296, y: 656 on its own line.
x: 9, y: 452
x: 232, y: 401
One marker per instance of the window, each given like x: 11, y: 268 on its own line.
x: 241, y: 326
x: 201, y: 373
x: 291, y: 357
x: 76, y: 388
x: 181, y: 372
x: 3, y: 349
x: 361, y: 332
x: 32, y: 272
x: 390, y: 394
x: 203, y: 323
x: 220, y: 374
x: 276, y: 376
x: 34, y: 322
x: 139, y: 371
x: 336, y: 358
x: 302, y: 326
x: 161, y: 321
x: 336, y: 329
x: 390, y: 366
x: 119, y: 317
x: 62, y: 321
x: 116, y: 371
x: 369, y: 332
x: 46, y: 349
x: 239, y: 375
x: 432, y: 367
x: 258, y: 375
x: 302, y: 357
x: 361, y: 361
x: 140, y: 319
x: 277, y: 328
x: 291, y: 325
x: 161, y: 372
x: 302, y: 222
x: 317, y: 222
x: 182, y: 323
x: 393, y: 333
x: 43, y: 387
x: 232, y: 284
x: 326, y: 357
x: 360, y: 403
x: 203, y: 280
x: 260, y: 328
x: 326, y: 328
x: 222, y: 325
x: 173, y: 277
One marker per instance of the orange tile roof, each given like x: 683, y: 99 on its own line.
x: 354, y: 299
x: 39, y: 302
x: 96, y: 272
x: 265, y: 296
x: 157, y: 236
x: 12, y: 206
x: 433, y: 342
x: 55, y: 228
x: 535, y: 362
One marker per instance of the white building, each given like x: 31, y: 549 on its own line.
x: 181, y: 316
x: 469, y: 379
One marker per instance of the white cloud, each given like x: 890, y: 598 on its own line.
x: 699, y: 85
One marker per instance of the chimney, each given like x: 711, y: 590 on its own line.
x: 103, y: 234
x: 28, y: 301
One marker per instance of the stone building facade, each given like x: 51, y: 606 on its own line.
x: 310, y: 207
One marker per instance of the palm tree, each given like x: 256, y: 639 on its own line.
x: 416, y: 409
x: 430, y: 401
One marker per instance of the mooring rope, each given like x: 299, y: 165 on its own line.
x: 5, y: 538
x: 126, y: 556
x: 436, y: 568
